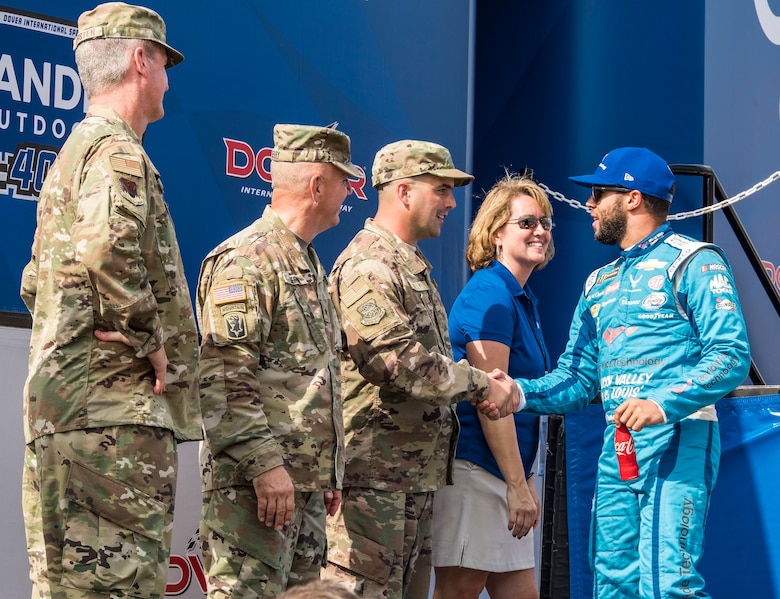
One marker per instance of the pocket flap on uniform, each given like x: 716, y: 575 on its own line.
x: 419, y: 285
x: 361, y: 555
x: 240, y: 526
x: 116, y: 501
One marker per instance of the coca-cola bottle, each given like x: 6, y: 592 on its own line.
x: 626, y: 453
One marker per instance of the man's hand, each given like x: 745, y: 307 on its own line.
x: 158, y: 358
x: 638, y: 413
x: 503, y: 396
x: 332, y: 502
x: 275, y: 498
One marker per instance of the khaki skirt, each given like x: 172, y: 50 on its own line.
x: 470, y: 524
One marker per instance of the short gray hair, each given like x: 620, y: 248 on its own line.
x: 103, y: 63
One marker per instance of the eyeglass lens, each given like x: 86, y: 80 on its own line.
x: 598, y: 192
x: 531, y: 222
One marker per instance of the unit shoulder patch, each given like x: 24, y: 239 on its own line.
x: 235, y: 325
x: 371, y: 313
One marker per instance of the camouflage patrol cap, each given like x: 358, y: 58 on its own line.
x: 309, y: 143
x: 410, y: 158
x: 120, y: 20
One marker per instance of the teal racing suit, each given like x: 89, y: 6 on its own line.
x: 661, y: 322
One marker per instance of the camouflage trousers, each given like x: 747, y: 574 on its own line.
x: 98, y: 507
x: 379, y: 543
x: 244, y: 559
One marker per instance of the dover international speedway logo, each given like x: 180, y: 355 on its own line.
x: 41, y: 98
x: 243, y: 162
x: 184, y: 570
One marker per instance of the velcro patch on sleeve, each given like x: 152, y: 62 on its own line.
x: 232, y: 313
x: 371, y: 313
x: 235, y: 325
x: 353, y: 292
x: 230, y: 292
x: 367, y: 310
x: 129, y: 165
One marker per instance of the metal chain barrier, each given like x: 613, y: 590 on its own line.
x: 681, y: 215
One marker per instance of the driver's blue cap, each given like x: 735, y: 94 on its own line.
x: 632, y: 168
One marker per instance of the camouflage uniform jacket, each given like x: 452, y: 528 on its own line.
x: 398, y: 374
x: 271, y: 389
x: 105, y: 257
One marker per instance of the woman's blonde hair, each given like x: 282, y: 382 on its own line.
x: 495, y: 212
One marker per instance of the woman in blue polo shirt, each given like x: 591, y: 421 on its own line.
x: 494, y: 323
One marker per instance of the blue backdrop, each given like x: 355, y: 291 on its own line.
x: 742, y: 143
x: 560, y: 83
x: 384, y: 70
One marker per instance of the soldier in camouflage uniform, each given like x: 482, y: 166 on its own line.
x: 113, y: 356
x: 273, y: 462
x: 319, y: 589
x: 399, y: 378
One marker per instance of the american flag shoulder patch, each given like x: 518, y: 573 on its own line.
x: 129, y: 165
x: 234, y: 291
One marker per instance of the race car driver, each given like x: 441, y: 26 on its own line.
x: 659, y: 333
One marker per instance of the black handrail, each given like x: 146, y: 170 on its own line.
x: 712, y: 192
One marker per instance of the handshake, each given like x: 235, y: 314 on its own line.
x: 503, y: 396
